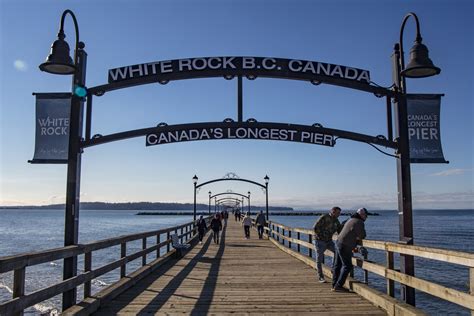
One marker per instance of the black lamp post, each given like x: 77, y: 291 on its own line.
x: 248, y: 199
x: 59, y: 62
x: 210, y: 193
x: 420, y: 66
x: 195, y: 180
x: 266, y: 193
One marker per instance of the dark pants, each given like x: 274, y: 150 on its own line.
x: 215, y: 236
x: 342, y: 265
x: 260, y: 231
x: 247, y: 231
x: 201, y: 234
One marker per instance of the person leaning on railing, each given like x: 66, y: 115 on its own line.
x: 324, y: 228
x: 350, y: 236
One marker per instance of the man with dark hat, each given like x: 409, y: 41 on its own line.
x: 351, y: 235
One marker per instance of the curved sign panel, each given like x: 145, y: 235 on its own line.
x: 230, y: 66
x: 264, y: 131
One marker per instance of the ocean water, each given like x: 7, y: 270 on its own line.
x: 35, y: 230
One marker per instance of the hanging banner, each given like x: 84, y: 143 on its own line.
x: 52, y: 127
x: 424, y: 129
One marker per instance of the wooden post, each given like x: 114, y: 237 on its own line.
x: 366, y: 273
x: 278, y: 233
x: 144, y: 247
x: 168, y: 236
x: 298, y: 245
x: 471, y: 285
x: 19, y: 284
x: 158, y: 249
x: 310, y: 249
x: 181, y: 234
x: 390, y: 283
x: 283, y: 233
x: 87, y: 268
x: 123, y: 254
x: 289, y: 242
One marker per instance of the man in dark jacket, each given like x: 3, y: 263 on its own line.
x: 351, y: 235
x: 324, y: 228
x: 261, y: 222
x: 216, y: 226
x: 201, y: 227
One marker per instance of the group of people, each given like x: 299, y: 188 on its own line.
x: 350, y: 236
x: 215, y: 225
x: 260, y: 222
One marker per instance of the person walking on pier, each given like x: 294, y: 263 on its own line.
x: 261, y: 223
x: 247, y: 222
x: 351, y: 235
x: 216, y: 226
x: 202, y: 227
x: 324, y: 228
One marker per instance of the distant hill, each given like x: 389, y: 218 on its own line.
x: 141, y: 206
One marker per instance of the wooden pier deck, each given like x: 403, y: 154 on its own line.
x: 237, y: 276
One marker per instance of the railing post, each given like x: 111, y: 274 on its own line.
x: 278, y: 233
x: 168, y: 236
x: 159, y: 248
x: 310, y: 249
x: 144, y: 247
x: 298, y: 236
x: 289, y: 242
x: 471, y: 285
x: 19, y: 284
x: 366, y: 273
x: 87, y: 268
x: 390, y: 283
x: 283, y: 233
x: 181, y: 235
x: 123, y: 254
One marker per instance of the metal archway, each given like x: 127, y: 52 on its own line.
x: 231, y: 193
x: 232, y: 177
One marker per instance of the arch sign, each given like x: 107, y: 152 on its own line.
x: 262, y: 66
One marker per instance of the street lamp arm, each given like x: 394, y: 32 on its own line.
x: 402, y: 28
x: 76, y: 27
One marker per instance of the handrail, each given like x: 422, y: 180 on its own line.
x: 18, y: 264
x: 276, y: 232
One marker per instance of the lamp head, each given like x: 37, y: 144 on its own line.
x: 248, y: 193
x: 195, y: 179
x: 266, y: 179
x: 420, y: 64
x: 210, y: 193
x: 58, y: 61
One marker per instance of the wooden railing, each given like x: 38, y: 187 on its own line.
x: 18, y: 264
x: 294, y: 238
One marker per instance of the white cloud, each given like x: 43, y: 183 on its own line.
x: 20, y: 65
x: 451, y: 172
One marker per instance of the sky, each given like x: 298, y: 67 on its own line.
x: 358, y: 34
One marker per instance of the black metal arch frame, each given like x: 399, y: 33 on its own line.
x: 98, y: 139
x: 232, y: 193
x: 263, y: 186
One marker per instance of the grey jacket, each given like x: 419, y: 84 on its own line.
x: 352, y: 233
